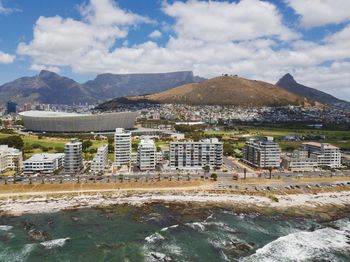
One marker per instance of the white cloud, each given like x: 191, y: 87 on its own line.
x: 63, y: 42
x: 334, y: 79
x: 321, y: 12
x: 6, y: 58
x: 155, y: 34
x: 36, y: 67
x: 224, y: 21
x: 7, y: 10
x: 107, y: 13
x: 209, y: 38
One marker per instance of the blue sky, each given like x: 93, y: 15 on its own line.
x: 252, y: 38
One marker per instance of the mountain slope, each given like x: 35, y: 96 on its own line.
x: 108, y: 86
x: 47, y: 88
x: 223, y: 90
x: 50, y: 88
x: 288, y: 83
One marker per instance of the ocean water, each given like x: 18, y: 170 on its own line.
x: 170, y: 233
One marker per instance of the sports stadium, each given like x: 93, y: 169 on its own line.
x: 62, y: 122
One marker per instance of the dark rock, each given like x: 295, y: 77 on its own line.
x: 35, y: 233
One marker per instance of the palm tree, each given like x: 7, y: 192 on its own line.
x: 270, y: 171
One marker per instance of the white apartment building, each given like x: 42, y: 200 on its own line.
x: 122, y: 147
x: 196, y: 155
x: 262, y: 153
x: 73, y: 158
x: 43, y: 163
x: 146, y: 155
x: 100, y: 160
x: 299, y: 161
x: 10, y: 158
x: 326, y: 154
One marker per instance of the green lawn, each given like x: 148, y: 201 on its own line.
x: 335, y: 137
x: 52, y: 143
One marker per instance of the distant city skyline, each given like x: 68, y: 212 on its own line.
x: 254, y: 39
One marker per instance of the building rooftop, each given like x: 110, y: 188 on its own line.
x: 53, y: 114
x: 6, y: 148
x: 34, y: 113
x: 102, y: 148
x: 44, y: 157
x: 317, y: 144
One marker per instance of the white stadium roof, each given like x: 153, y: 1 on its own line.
x: 34, y: 113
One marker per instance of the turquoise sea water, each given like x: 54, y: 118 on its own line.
x: 164, y: 233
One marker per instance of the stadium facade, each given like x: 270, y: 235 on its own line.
x: 61, y: 122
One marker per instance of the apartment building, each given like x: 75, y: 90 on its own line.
x: 299, y: 161
x: 196, y: 155
x: 100, y: 160
x: 10, y: 158
x: 262, y: 153
x: 122, y: 147
x: 73, y: 157
x: 326, y: 154
x: 43, y: 163
x: 146, y: 155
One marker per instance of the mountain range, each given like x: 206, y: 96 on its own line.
x: 222, y: 90
x: 174, y: 87
x: 50, y: 88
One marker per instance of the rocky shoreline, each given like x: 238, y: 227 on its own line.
x: 321, y: 206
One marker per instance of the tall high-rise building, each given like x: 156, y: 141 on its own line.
x: 100, y: 160
x: 262, y: 153
x: 73, y: 158
x: 11, y: 107
x: 196, y: 155
x: 122, y: 147
x: 146, y: 155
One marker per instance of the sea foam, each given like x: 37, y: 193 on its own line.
x: 5, y: 228
x: 154, y: 238
x: 54, y: 243
x: 304, y: 246
x: 16, y: 256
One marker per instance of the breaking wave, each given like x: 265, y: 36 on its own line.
x: 5, y: 228
x: 319, y: 245
x: 167, y: 228
x: 18, y: 255
x: 54, y: 243
x: 154, y: 238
